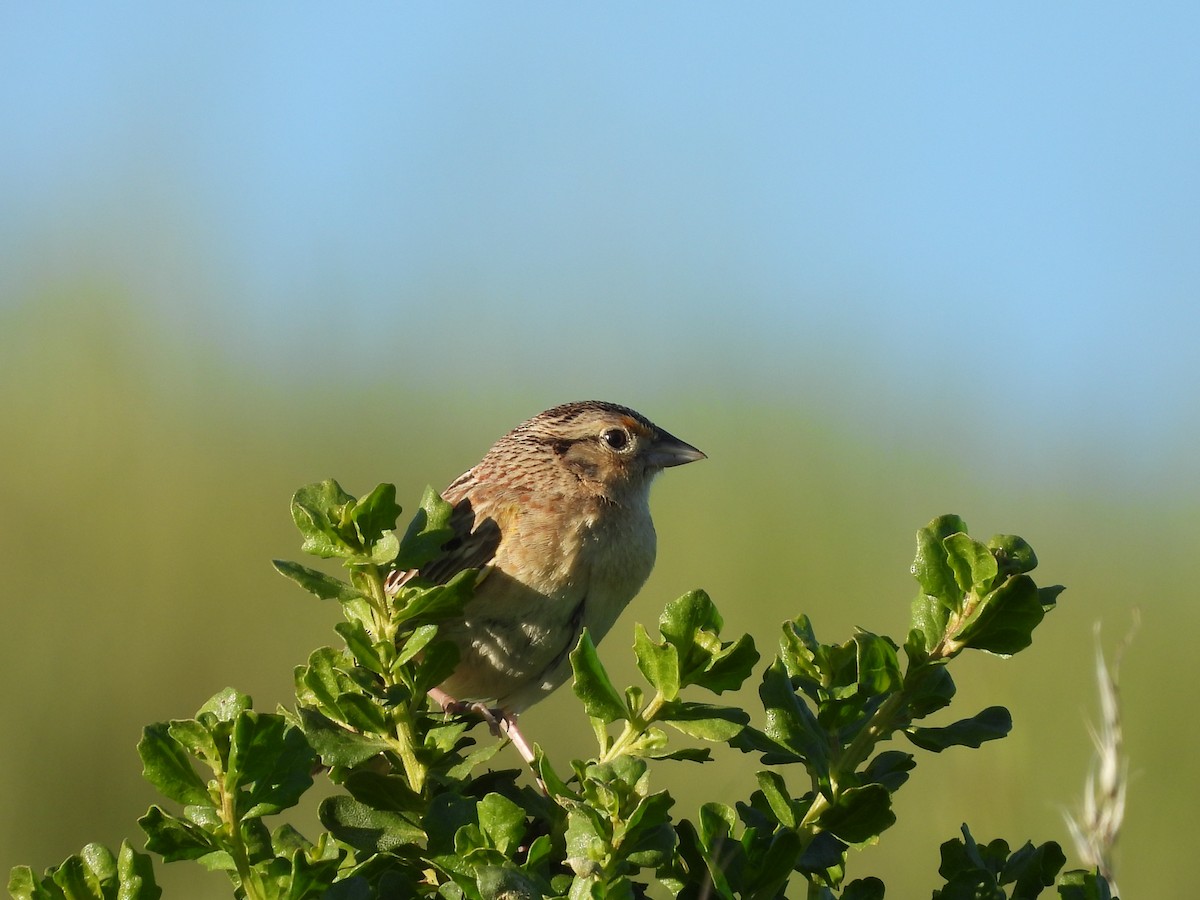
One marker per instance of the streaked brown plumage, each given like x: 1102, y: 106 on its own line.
x: 557, y: 518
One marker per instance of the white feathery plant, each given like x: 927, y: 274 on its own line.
x: 1098, y: 825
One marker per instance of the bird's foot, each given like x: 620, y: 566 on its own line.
x: 501, y: 722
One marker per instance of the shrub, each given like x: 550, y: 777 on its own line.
x: 420, y: 815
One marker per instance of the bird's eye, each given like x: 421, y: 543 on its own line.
x: 616, y: 438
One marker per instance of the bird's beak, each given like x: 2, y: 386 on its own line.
x: 669, y: 450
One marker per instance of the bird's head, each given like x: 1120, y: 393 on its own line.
x: 610, y: 447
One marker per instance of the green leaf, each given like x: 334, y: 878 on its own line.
x: 437, y: 663
x: 444, y: 738
x: 414, y: 644
x: 100, y: 861
x: 860, y: 814
x: 973, y: 565
x: 824, y: 855
x: 304, y: 879
x: 324, y: 586
x: 363, y: 713
x: 391, y: 793
x: 799, y: 649
x: 502, y: 822
x: 166, y: 765
x: 1077, y: 884
x: 319, y: 511
x: 729, y: 667
x: 877, y: 664
x: 555, y: 786
x: 92, y: 874
x: 649, y: 837
x: 322, y: 681
x: 931, y: 566
x: 173, y: 838
x: 270, y: 759
x: 592, y: 684
x: 706, y: 848
x: 890, y: 769
x: 24, y: 885
x: 225, y: 705
x: 692, y: 626
x: 427, y: 532
x: 703, y: 720
x: 791, y: 728
x: 651, y: 811
x: 540, y: 854
x: 683, y: 754
x: 683, y: 620
x: 382, y: 551
x: 374, y: 516
x: 717, y: 821
x: 929, y: 618
x: 991, y: 724
x: 1004, y: 620
x: 1031, y: 869
x: 359, y: 643
x: 501, y: 883
x: 285, y: 840
x: 445, y: 815
x: 972, y: 870
x: 136, y: 874
x: 1048, y: 596
x: 373, y: 830
x: 930, y: 687
x: 1013, y: 554
x: 75, y: 881
x: 586, y: 843
x: 196, y: 739
x: 609, y: 780
x: 778, y: 797
x: 658, y: 662
x: 433, y: 604
x: 863, y: 889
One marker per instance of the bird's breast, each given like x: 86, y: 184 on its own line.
x: 557, y: 570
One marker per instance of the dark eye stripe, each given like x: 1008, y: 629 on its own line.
x: 561, y: 446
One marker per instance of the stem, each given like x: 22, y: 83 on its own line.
x: 947, y: 647
x: 405, y: 738
x: 237, y: 848
x: 405, y: 746
x: 385, y: 628
x: 883, y: 723
x: 884, y: 719
x: 634, y: 729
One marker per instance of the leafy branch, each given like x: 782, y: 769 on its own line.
x: 419, y: 814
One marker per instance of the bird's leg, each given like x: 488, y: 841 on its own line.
x: 454, y: 707
x: 508, y: 724
x: 500, y: 721
x: 448, y: 703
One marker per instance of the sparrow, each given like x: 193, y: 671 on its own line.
x: 556, y: 519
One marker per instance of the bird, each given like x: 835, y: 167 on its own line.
x: 556, y: 519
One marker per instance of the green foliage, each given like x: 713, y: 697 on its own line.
x: 972, y: 870
x: 93, y: 874
x: 419, y: 814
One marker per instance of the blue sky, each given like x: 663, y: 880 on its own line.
x: 983, y: 206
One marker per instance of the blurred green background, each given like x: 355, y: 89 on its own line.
x: 879, y: 265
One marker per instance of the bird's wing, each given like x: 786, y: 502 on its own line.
x: 472, y: 547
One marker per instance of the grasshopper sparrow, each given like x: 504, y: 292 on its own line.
x: 556, y: 517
